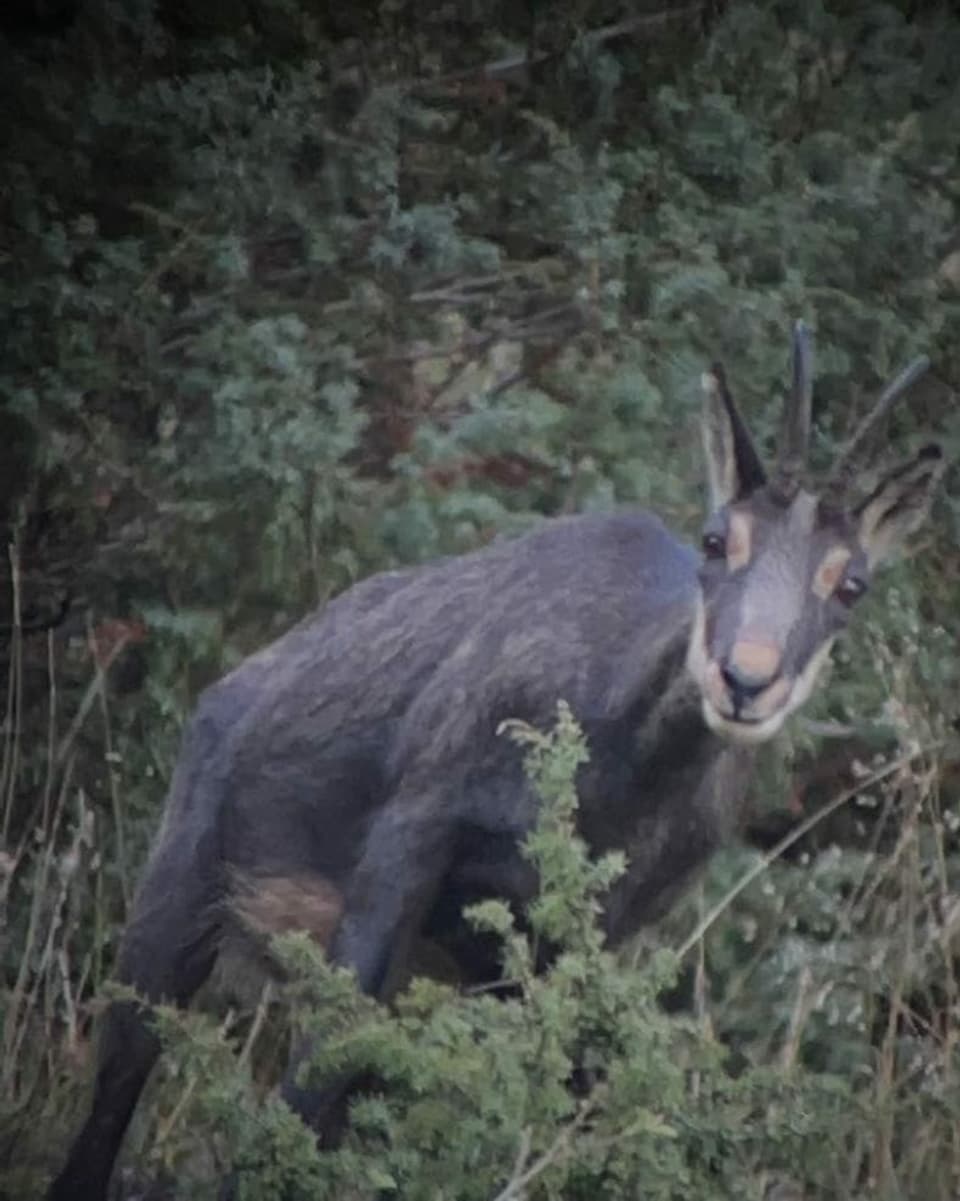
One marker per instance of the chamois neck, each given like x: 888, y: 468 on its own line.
x: 671, y: 729
x: 655, y: 692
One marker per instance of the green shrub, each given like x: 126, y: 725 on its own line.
x: 576, y: 1085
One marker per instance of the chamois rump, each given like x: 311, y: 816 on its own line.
x: 349, y: 779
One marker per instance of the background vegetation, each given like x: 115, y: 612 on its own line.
x: 292, y: 294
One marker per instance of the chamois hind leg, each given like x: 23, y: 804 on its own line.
x: 405, y: 858
x: 166, y: 953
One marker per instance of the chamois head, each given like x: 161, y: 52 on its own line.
x: 784, y: 565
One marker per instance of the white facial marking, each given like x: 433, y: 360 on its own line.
x: 808, y: 677
x: 739, y: 540
x: 830, y: 571
x: 696, y: 648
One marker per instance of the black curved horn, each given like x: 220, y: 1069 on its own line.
x: 795, y: 430
x: 840, y: 471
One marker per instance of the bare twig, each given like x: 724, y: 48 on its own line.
x: 118, y: 821
x: 700, y: 997
x: 11, y: 739
x: 543, y: 359
x: 475, y: 287
x: 16, y: 1020
x: 789, y: 839
x: 86, y: 702
x: 50, y: 773
x: 560, y: 1146
x: 166, y: 1127
x: 515, y: 67
x: 256, y: 1025
x: 798, y: 1018
x: 558, y: 319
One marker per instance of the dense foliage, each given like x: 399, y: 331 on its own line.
x: 291, y: 297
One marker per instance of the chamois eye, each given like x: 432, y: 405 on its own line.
x: 849, y: 590
x: 714, y: 546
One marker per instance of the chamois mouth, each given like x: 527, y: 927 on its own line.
x: 739, y: 720
x: 740, y: 727
x: 751, y: 708
x: 744, y: 719
x: 742, y: 714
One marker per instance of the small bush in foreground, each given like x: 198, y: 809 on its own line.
x: 577, y: 1085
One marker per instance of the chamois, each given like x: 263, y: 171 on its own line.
x: 349, y: 779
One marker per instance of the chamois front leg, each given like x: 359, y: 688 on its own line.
x: 406, y: 855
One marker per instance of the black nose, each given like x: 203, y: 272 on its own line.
x: 742, y: 686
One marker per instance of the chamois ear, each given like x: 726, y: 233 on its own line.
x: 734, y: 469
x: 899, y: 504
